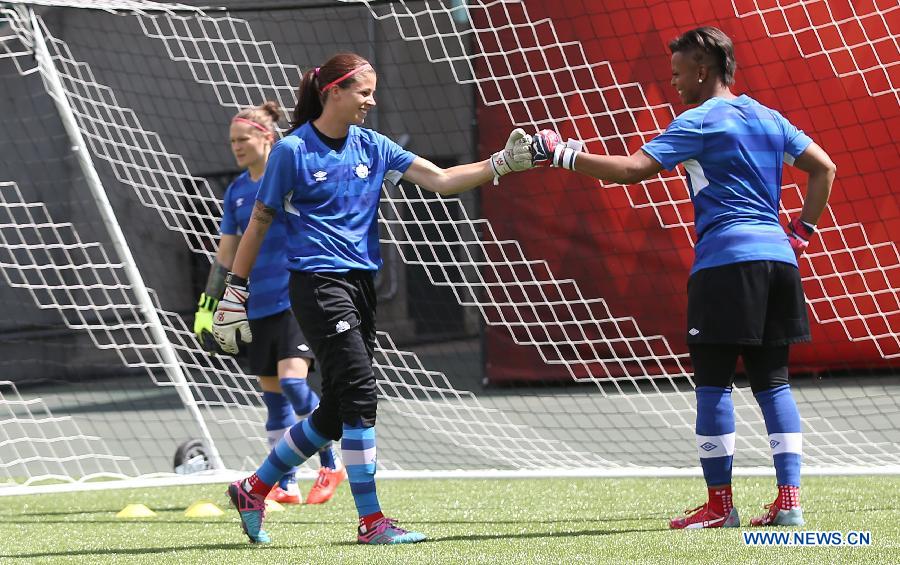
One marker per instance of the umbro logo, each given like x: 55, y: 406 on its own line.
x: 773, y: 443
x: 239, y: 202
x: 694, y: 331
x: 303, y: 347
x: 342, y: 326
x: 320, y: 176
x: 708, y: 446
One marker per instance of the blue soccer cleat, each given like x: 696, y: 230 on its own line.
x: 252, y: 509
x: 386, y: 531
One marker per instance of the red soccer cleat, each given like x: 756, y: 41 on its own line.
x: 290, y: 495
x: 325, y: 485
x: 785, y: 511
x: 705, y: 517
x: 779, y: 517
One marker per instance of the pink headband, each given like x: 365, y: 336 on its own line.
x: 358, y: 69
x: 258, y: 126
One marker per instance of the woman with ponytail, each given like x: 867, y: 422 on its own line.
x: 325, y: 178
x: 279, y: 355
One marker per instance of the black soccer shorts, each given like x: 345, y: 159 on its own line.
x: 749, y: 303
x: 276, y: 337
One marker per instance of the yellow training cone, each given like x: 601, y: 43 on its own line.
x: 203, y: 510
x: 136, y: 511
x: 273, y: 506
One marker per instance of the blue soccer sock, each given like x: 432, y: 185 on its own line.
x: 327, y: 458
x: 280, y: 417
x: 300, y: 443
x: 785, y: 432
x: 715, y: 433
x: 358, y: 449
x: 302, y: 398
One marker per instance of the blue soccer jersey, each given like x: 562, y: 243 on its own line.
x: 269, y: 277
x: 330, y: 198
x: 733, y: 151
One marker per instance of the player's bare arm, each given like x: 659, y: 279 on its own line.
x: 821, y: 170
x: 515, y: 156
x: 547, y: 149
x: 259, y: 225
x: 619, y: 169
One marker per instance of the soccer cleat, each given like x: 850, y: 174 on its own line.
x: 289, y: 495
x: 386, y: 531
x: 325, y: 485
x: 779, y: 517
x: 252, y: 510
x: 704, y: 517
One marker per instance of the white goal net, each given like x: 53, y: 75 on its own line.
x: 495, y: 351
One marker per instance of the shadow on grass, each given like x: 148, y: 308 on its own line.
x: 144, y: 521
x: 99, y: 511
x: 529, y: 535
x: 134, y: 551
x: 570, y: 521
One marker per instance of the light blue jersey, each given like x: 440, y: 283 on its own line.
x: 330, y: 198
x: 269, y: 277
x: 733, y: 151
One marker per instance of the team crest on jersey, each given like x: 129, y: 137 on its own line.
x: 362, y: 171
x: 320, y: 176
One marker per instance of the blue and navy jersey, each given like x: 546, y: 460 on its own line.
x: 733, y: 152
x: 269, y: 277
x: 330, y: 198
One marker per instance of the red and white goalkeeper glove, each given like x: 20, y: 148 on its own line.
x: 547, y: 148
x: 799, y: 235
x: 516, y: 155
x: 230, y: 318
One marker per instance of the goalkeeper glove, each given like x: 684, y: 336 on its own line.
x: 516, y: 155
x: 799, y: 235
x: 230, y: 318
x: 203, y: 323
x: 547, y: 148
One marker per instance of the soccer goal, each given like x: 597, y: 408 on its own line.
x: 534, y: 328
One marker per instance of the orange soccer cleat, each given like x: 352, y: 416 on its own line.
x: 289, y: 495
x: 325, y: 485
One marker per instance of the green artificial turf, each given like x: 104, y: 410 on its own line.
x: 520, y: 521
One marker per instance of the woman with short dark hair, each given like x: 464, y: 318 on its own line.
x: 744, y: 294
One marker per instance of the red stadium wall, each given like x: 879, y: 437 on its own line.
x: 611, y: 240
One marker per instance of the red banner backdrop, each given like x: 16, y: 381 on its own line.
x: 600, y: 71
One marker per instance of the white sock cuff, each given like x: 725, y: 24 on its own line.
x: 786, y: 443
x: 715, y: 446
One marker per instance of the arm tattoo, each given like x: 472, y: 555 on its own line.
x: 215, y: 284
x: 262, y: 213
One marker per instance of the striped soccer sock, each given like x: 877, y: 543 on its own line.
x: 358, y: 451
x: 305, y: 400
x: 279, y: 418
x: 300, y: 443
